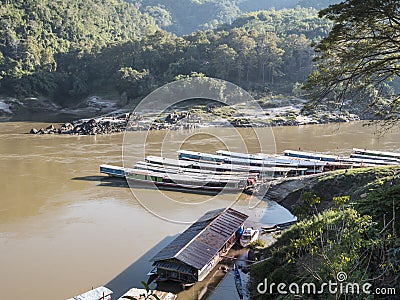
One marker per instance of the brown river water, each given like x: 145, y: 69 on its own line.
x: 64, y: 228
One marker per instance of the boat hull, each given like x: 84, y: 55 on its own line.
x: 238, y: 281
x: 137, y: 183
x: 244, y: 242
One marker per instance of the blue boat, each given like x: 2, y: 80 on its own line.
x: 238, y: 281
x: 113, y: 171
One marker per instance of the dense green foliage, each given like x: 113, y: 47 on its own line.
x: 186, y: 16
x: 66, y: 58
x: 360, y: 56
x: 43, y: 43
x: 358, y: 236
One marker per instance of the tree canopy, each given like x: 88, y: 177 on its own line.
x: 186, y: 16
x: 66, y: 53
x: 360, y: 57
x: 39, y: 37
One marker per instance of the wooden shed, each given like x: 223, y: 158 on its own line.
x: 195, y: 252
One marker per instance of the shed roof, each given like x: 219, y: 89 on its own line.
x: 198, y: 244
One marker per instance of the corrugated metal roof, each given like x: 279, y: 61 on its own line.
x: 173, y: 265
x: 198, y: 244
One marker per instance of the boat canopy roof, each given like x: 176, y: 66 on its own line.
x: 112, y: 167
x: 240, y: 155
x: 366, y: 161
x: 310, y: 154
x: 169, y: 161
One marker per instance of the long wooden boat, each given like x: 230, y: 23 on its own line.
x: 332, y: 159
x: 143, y: 165
x: 310, y: 155
x: 244, y: 155
x: 380, y: 158
x: 314, y: 162
x: 193, y: 183
x: 114, y: 171
x: 100, y: 293
x: 226, y: 168
x: 367, y: 161
x: 238, y: 281
x: 375, y: 153
x: 266, y: 161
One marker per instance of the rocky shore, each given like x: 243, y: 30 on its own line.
x: 119, y: 122
x: 196, y: 116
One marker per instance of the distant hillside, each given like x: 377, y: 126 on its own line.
x: 185, y: 16
x: 120, y: 51
x: 42, y: 41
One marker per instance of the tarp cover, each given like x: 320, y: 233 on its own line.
x: 99, y: 293
x: 141, y: 294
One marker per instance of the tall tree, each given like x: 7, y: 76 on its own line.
x: 360, y: 56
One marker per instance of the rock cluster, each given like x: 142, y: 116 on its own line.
x: 88, y: 127
x: 175, y: 117
x: 119, y: 123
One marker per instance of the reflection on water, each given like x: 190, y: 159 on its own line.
x: 65, y: 229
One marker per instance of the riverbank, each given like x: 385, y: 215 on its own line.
x: 288, y: 112
x: 57, y: 208
x: 350, y: 226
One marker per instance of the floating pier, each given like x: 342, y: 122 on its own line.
x: 194, y: 253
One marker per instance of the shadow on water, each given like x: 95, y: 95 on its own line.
x: 133, y: 275
x: 121, y: 182
x: 105, y: 180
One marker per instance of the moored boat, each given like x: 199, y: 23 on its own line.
x: 377, y: 154
x: 194, y: 182
x: 266, y: 161
x: 248, y: 236
x: 380, y: 158
x: 142, y: 165
x: 338, y: 161
x: 212, y: 183
x: 100, y: 293
x: 220, y: 168
x: 310, y: 155
x: 114, y: 171
x: 142, y: 294
x: 238, y: 281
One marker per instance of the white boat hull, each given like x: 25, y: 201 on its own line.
x: 249, y: 235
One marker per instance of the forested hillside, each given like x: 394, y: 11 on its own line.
x: 185, y: 16
x: 67, y: 50
x: 42, y: 42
